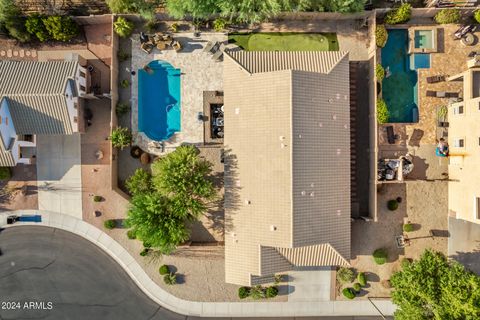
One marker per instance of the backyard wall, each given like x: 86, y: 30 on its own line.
x: 372, y: 55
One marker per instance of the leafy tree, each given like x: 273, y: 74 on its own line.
x: 446, y: 16
x: 62, y: 28
x: 250, y: 11
x: 123, y: 27
x: 121, y: 137
x: 182, y: 177
x: 8, y: 11
x: 399, y: 15
x: 146, y: 9
x: 197, y: 9
x: 139, y: 182
x: 435, y: 288
x: 382, y: 111
x: 154, y: 222
x: 344, y: 6
x: 16, y: 29
x: 476, y: 16
x: 36, y: 27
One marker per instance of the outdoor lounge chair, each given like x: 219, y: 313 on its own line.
x: 147, y: 47
x: 211, y: 47
x: 391, y: 137
x: 442, y: 94
x: 435, y: 79
x: 176, y: 45
x: 217, y: 56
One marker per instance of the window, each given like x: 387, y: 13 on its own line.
x: 458, y: 110
x: 459, y: 142
x: 82, y: 88
x: 477, y: 208
x: 82, y: 74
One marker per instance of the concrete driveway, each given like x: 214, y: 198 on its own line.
x: 59, y: 174
x: 464, y: 243
x: 310, y: 284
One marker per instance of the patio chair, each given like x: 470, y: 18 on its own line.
x: 435, y: 79
x: 147, y: 47
x: 217, y: 56
x: 211, y: 47
x: 452, y: 95
x: 391, y: 136
x: 176, y: 46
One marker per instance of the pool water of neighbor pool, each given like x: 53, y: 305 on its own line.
x: 159, y: 100
x: 399, y: 88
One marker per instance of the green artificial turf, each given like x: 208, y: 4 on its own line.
x: 285, y: 41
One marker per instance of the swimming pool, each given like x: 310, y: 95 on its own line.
x: 399, y: 89
x: 159, y: 100
x: 424, y: 39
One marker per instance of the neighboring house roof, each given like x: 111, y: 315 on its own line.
x: 35, y: 92
x: 287, y: 174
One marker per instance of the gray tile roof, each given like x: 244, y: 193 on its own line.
x: 35, y: 92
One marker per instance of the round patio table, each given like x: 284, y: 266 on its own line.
x: 468, y: 40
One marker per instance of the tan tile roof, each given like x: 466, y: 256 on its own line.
x: 287, y: 174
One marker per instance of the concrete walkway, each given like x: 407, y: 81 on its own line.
x: 203, y: 309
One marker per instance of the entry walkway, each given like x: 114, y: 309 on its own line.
x: 59, y: 174
x: 203, y: 309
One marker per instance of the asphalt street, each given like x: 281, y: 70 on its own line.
x: 47, y: 273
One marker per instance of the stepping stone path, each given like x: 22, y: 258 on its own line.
x: 15, y: 53
x: 9, y: 53
x: 3, y: 53
x: 22, y: 53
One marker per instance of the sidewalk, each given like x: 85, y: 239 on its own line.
x: 202, y: 309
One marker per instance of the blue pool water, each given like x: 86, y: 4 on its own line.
x: 399, y: 90
x: 159, y: 100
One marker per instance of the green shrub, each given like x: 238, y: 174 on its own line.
x: 405, y: 263
x: 146, y: 244
x: 345, y: 275
x: 123, y: 27
x: 109, y: 224
x: 381, y: 35
x: 446, y: 16
x: 122, y: 108
x: 399, y: 15
x: 380, y: 256
x: 16, y: 29
x: 476, y: 16
x: 357, y: 287
x: 35, y: 26
x: 164, y: 269
x: 123, y: 56
x: 382, y: 111
x: 61, y: 28
x: 392, y: 205
x: 219, y: 24
x: 271, y: 292
x: 97, y: 198
x: 170, y: 279
x: 243, y: 292
x: 379, y: 72
x: 121, y: 137
x: 131, y: 234
x: 362, y: 279
x: 139, y: 182
x: 257, y: 292
x: 124, y: 84
x: 144, y: 252
x: 348, y: 293
x: 5, y: 173
x: 408, y: 227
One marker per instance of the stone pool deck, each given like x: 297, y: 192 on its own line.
x: 199, y: 73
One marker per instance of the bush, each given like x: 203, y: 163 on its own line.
x: 61, y: 28
x: 476, y: 16
x: 121, y: 137
x: 408, y: 227
x: 405, y: 263
x: 146, y: 244
x: 144, y: 252
x: 145, y: 158
x: 257, y: 292
x: 97, y: 198
x: 123, y: 56
x: 243, y: 292
x: 271, y: 292
x: 399, y: 15
x: 5, y: 173
x: 379, y: 72
x: 382, y: 111
x: 109, y: 224
x: 362, y: 279
x: 139, y: 182
x: 345, y: 275
x: 35, y: 26
x: 392, y: 205
x: 131, y: 234
x: 446, y: 16
x: 124, y: 84
x: 380, y: 256
x: 348, y: 293
x: 164, y: 270
x: 381, y: 35
x: 219, y: 24
x: 357, y: 287
x: 123, y: 27
x: 122, y: 108
x: 170, y: 279
x: 16, y: 29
